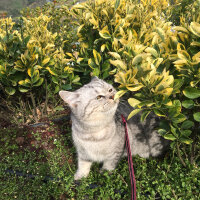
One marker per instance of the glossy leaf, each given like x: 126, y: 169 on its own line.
x: 144, y: 115
x: 170, y: 137
x: 97, y: 57
x: 10, y: 90
x: 191, y: 93
x: 133, y: 113
x: 197, y: 116
x: 133, y: 102
x: 187, y: 124
x: 119, y: 94
x: 188, y: 104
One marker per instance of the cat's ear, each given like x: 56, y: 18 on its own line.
x: 94, y: 78
x: 69, y: 97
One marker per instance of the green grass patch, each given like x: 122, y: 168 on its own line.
x: 44, y: 159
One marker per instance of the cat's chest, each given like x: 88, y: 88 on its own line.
x: 94, y: 150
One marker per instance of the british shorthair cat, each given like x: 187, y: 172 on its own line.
x: 98, y: 131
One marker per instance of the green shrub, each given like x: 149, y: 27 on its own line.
x: 156, y: 63
x: 32, y: 69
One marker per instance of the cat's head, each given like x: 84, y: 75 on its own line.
x: 92, y: 101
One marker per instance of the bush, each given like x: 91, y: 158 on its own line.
x: 131, y: 43
x: 32, y: 68
x: 154, y: 62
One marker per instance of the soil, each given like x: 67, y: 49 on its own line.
x: 48, y: 129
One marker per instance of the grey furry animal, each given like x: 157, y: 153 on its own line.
x: 98, y: 131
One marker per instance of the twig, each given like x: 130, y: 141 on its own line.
x: 179, y: 155
x: 174, y: 194
x: 123, y: 179
x: 46, y: 99
x: 34, y: 107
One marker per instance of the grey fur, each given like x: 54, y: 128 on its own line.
x: 98, y: 132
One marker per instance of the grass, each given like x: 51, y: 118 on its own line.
x: 46, y: 154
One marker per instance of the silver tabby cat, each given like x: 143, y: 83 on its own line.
x: 98, y: 131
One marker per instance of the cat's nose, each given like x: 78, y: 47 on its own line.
x: 111, y: 97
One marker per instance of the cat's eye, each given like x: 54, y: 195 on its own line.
x: 110, y: 90
x: 99, y: 97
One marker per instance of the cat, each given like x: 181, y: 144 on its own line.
x: 98, y: 132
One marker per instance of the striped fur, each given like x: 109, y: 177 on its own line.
x: 98, y: 131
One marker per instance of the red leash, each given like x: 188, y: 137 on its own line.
x: 130, y: 162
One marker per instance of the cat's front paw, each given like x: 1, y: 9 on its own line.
x: 79, y: 175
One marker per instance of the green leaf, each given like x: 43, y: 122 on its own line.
x: 105, y: 74
x: 115, y: 55
x: 119, y: 94
x: 187, y: 124
x: 105, y: 34
x: 177, y: 84
x: 66, y: 87
x: 118, y: 63
x: 24, y: 83
x: 147, y: 103
x: 144, y: 115
x: 191, y: 93
x: 10, y: 90
x: 23, y: 90
x: 133, y: 102
x: 135, y: 87
x: 164, y: 124
x: 185, y: 140
x: 45, y: 61
x: 186, y: 133
x: 106, y: 66
x: 195, y: 28
x: 170, y: 137
x: 197, y: 116
x: 37, y: 84
x: 95, y: 72
x: 91, y: 63
x: 35, y: 78
x: 117, y: 3
x: 97, y: 57
x: 173, y: 112
x: 173, y: 130
x: 177, y: 104
x: 152, y: 51
x: 162, y: 131
x: 178, y: 119
x: 161, y: 33
x: 76, y: 79
x: 188, y: 104
x: 137, y: 59
x: 51, y: 71
x: 59, y: 108
x: 159, y: 113
x: 134, y: 112
x: 55, y: 79
x: 57, y: 88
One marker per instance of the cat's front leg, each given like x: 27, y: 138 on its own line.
x: 109, y: 164
x: 83, y: 169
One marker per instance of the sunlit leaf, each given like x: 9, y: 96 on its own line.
x: 133, y: 102
x: 169, y: 137
x: 133, y: 113
x: 97, y: 57
x: 119, y: 94
x: 188, y: 104
x: 191, y: 93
